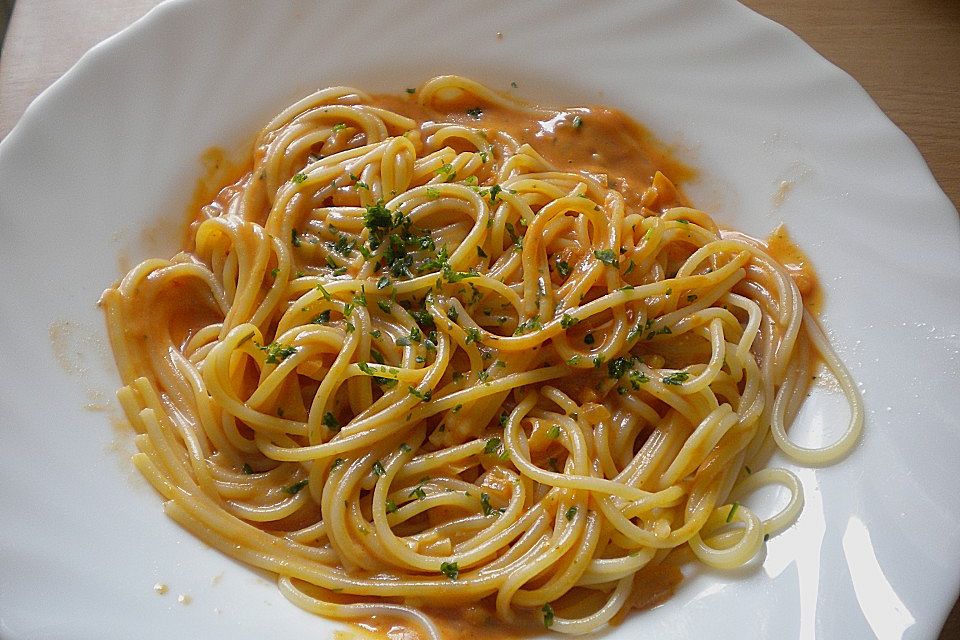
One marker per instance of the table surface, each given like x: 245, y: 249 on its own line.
x: 905, y: 53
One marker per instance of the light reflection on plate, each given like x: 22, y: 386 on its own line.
x: 114, y: 147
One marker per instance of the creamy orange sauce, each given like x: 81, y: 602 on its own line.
x: 471, y: 622
x: 219, y: 171
x: 599, y: 140
x: 782, y: 248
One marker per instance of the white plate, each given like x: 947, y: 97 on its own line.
x: 112, y: 150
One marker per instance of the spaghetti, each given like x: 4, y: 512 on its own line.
x: 407, y: 360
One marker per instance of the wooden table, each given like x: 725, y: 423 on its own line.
x: 905, y: 53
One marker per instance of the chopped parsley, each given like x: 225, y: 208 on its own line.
x: 475, y: 112
x: 295, y: 237
x: 378, y: 218
x: 617, y: 367
x: 277, y: 351
x: 577, y: 122
x: 663, y: 331
x: 424, y: 318
x: 330, y: 422
x: 568, y: 321
x: 296, y: 487
x: 344, y: 246
x: 422, y: 395
x: 733, y: 510
x: 554, y: 432
x: 450, y: 569
x: 563, y: 268
x: 606, y: 256
x: 571, y: 513
x: 516, y: 238
x: 532, y: 324
x: 418, y: 492
x: 378, y: 469
x: 677, y: 378
x: 487, y: 508
x: 638, y: 378
x: 446, y: 170
x: 297, y: 179
x: 547, y: 611
x: 247, y: 469
x: 322, y: 318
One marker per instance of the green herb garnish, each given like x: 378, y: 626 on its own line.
x: 277, y: 351
x: 733, y: 510
x: 617, y: 367
x: 547, y: 615
x: 422, y: 395
x: 450, y: 569
x: 677, y: 378
x: 330, y: 422
x: 606, y: 256
x: 296, y: 487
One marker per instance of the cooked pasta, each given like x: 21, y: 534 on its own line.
x: 451, y: 350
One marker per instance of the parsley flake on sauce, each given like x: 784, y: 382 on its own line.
x: 547, y: 611
x: 606, y: 256
x: 277, y: 351
x: 330, y: 422
x: 296, y: 487
x: 677, y: 378
x: 450, y: 569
